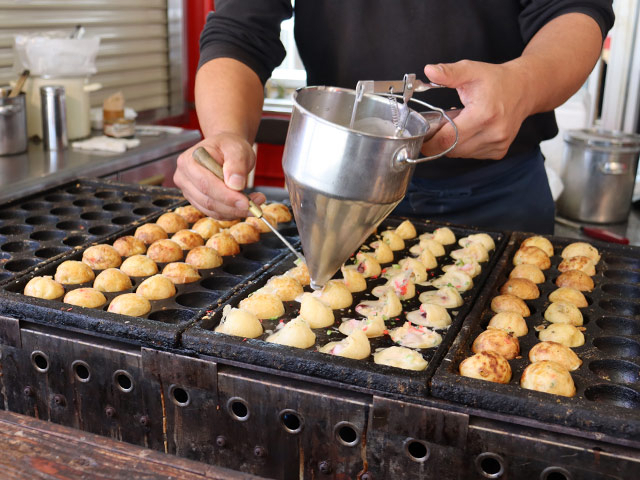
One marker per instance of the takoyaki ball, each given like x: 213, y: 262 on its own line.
x: 584, y: 264
x: 428, y: 244
x: 157, y: 287
x: 130, y: 304
x: 100, y: 257
x: 428, y: 259
x: 509, y: 303
x: 457, y: 279
x: 171, y: 222
x: 180, y: 272
x: 352, y: 279
x: 400, y: 357
x: 467, y: 265
x: 561, y: 312
x: 44, y: 287
x: 474, y: 251
x: 206, y: 227
x: 112, y: 280
x: 548, y: 377
x: 73, y: 272
x: 240, y: 323
x: 356, y: 346
x: 382, y: 252
x: 85, y: 297
x: 521, y: 287
x: 224, y: 243
x: 406, y: 230
x: 411, y: 336
x: 263, y: 305
x: 447, y: 297
x: 279, y: 211
x: 542, y: 243
x: 532, y: 256
x: 367, y: 265
x: 295, y: 333
x: 569, y: 295
x: 483, y: 238
x: 336, y: 295
x: 575, y: 279
x: 430, y: 315
x: 228, y: 223
x: 581, y: 249
x: 510, y: 322
x: 528, y: 271
x: 204, y: 258
x: 489, y: 366
x: 164, y: 251
x: 286, y: 288
x: 372, y: 326
x: 315, y: 312
x: 564, y: 333
x: 417, y: 268
x: 259, y: 224
x: 139, y: 266
x: 555, y: 352
x: 149, y: 233
x: 444, y: 235
x: 190, y: 213
x: 392, y: 239
x: 244, y: 233
x: 129, y: 245
x: 386, y: 307
x: 498, y: 341
x: 188, y: 239
x: 401, y: 283
x: 301, y: 273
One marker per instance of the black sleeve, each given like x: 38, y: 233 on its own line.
x: 247, y: 31
x: 536, y: 13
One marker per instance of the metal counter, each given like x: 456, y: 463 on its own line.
x: 630, y: 228
x: 35, y: 170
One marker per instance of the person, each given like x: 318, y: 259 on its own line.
x: 507, y: 63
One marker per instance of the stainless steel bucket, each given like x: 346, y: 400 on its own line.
x: 13, y: 123
x: 598, y: 172
x: 344, y: 177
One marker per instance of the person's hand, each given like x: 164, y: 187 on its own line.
x: 495, y: 105
x: 221, y: 200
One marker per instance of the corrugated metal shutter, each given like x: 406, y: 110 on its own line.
x: 134, y: 46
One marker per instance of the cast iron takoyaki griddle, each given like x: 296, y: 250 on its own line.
x: 365, y: 373
x: 608, y: 381
x: 45, y: 225
x: 167, y: 318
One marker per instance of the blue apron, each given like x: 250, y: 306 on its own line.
x: 512, y: 194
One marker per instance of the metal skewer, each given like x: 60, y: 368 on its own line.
x: 203, y: 158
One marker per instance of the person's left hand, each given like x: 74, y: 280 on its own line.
x: 495, y: 105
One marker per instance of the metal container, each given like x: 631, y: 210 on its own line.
x: 54, y: 117
x: 598, y: 172
x: 13, y: 123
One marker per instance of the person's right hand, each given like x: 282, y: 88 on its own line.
x: 210, y: 195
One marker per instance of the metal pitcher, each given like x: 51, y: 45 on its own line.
x: 345, y: 173
x: 13, y: 123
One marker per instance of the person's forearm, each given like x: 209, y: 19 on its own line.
x: 229, y: 98
x: 558, y: 60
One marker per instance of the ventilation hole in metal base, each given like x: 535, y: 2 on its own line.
x: 81, y: 369
x: 123, y: 380
x: 40, y: 361
x: 179, y: 396
x: 490, y: 465
x: 291, y: 421
x: 417, y: 450
x: 555, y: 473
x: 347, y: 434
x: 238, y: 409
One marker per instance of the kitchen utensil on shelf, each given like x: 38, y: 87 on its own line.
x: 203, y: 158
x: 17, y: 88
x: 598, y: 172
x: 594, y: 232
x: 54, y: 117
x: 348, y: 159
x: 13, y: 123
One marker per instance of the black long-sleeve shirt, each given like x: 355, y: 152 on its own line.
x: 343, y: 41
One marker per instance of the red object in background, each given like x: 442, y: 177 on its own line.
x: 269, y: 157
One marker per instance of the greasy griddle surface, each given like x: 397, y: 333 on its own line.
x: 47, y: 225
x: 607, y: 383
x: 363, y: 373
x: 167, y: 318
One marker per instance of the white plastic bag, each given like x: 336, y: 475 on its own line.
x: 54, y: 54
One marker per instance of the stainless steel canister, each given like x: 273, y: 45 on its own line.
x: 13, y: 123
x: 54, y: 117
x: 598, y: 172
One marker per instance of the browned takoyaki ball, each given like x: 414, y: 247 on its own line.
x: 498, y: 341
x: 206, y: 227
x: 510, y: 303
x: 530, y: 272
x: 489, y: 366
x: 44, y: 287
x: 224, y: 243
x: 171, y: 222
x: 521, y: 287
x: 259, y: 224
x: 164, y: 251
x: 532, y: 256
x: 180, y: 272
x: 575, y: 279
x: 85, y: 297
x: 542, y: 243
x: 228, y: 223
x: 204, y: 258
x: 188, y: 239
x: 139, y: 266
x: 280, y: 211
x: 244, y: 233
x: 101, y: 257
x: 129, y: 245
x: 73, y: 272
x: 149, y: 233
x: 130, y: 304
x: 112, y: 280
x: 584, y: 264
x: 157, y: 287
x: 190, y: 213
